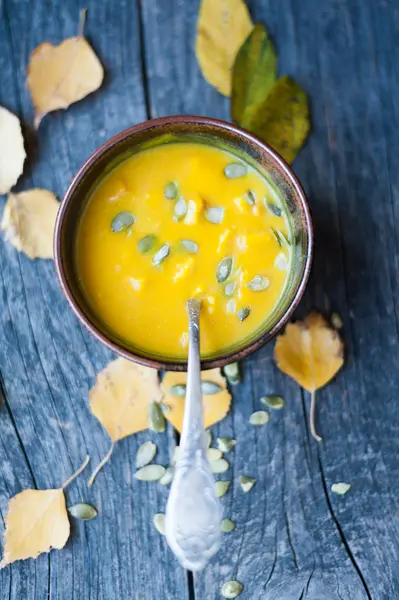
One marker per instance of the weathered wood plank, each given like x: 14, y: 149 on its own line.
x: 48, y: 362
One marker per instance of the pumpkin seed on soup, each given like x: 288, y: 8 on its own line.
x: 180, y: 209
x: 122, y: 221
x: 147, y: 243
x: 171, y: 190
x: 234, y: 170
x: 160, y: 256
x: 229, y: 288
x: 214, y: 214
x: 231, y: 306
x: 224, y: 269
x: 208, y: 388
x: 190, y: 246
x: 250, y: 198
x: 273, y: 208
x: 258, y: 283
x: 243, y: 313
x: 178, y: 390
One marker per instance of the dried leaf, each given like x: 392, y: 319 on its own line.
x: 29, y: 220
x: 282, y: 121
x: 254, y: 74
x: 36, y: 522
x: 12, y: 151
x: 216, y: 406
x: 60, y: 75
x: 311, y: 352
x: 223, y: 26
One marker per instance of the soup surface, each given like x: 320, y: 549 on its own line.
x: 179, y: 221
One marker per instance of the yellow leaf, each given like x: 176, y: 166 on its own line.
x: 216, y: 406
x: 28, y: 222
x: 60, y: 75
x: 223, y: 26
x: 311, y: 352
x: 12, y: 151
x: 36, y: 522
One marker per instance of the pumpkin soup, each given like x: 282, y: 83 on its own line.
x: 179, y: 221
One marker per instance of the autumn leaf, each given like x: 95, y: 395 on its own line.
x: 60, y: 75
x: 36, y: 522
x: 223, y: 26
x: 28, y: 222
x: 254, y: 74
x: 282, y: 121
x: 311, y: 352
x: 121, y: 399
x: 215, y: 406
x: 12, y: 151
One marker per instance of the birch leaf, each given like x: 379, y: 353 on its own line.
x: 223, y: 26
x: 28, y: 222
x: 12, y: 151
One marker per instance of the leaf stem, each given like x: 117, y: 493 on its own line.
x: 101, y: 465
x: 312, y: 416
x: 82, y: 21
x: 78, y: 472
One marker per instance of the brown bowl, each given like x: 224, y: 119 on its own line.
x: 165, y: 130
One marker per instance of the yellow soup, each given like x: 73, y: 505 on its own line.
x: 179, y: 221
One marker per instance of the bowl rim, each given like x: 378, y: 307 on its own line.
x: 206, y: 363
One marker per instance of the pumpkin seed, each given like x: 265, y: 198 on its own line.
x: 224, y: 269
x: 232, y: 373
x: 160, y: 256
x: 178, y: 390
x: 190, y: 246
x: 221, y: 488
x: 171, y: 190
x: 156, y: 420
x: 208, y: 438
x: 214, y: 214
x: 250, y: 197
x: 274, y: 402
x: 146, y: 244
x: 281, y: 262
x: 231, y: 306
x: 167, y: 477
x: 336, y: 321
x: 82, y: 511
x: 243, y: 313
x: 226, y: 444
x: 340, y: 488
x: 273, y: 208
x: 165, y: 408
x: 180, y: 209
x: 231, y: 589
x: 229, y: 288
x: 159, y: 522
x: 247, y: 483
x: 213, y: 454
x: 209, y: 388
x: 150, y: 473
x: 219, y: 466
x: 227, y: 526
x: 122, y: 221
x: 258, y: 283
x: 235, y: 170
x: 145, y: 454
x: 259, y: 417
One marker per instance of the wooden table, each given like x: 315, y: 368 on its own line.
x: 295, y: 539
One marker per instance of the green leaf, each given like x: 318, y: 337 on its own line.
x: 282, y: 121
x: 254, y: 74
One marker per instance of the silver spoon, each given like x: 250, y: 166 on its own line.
x: 193, y: 512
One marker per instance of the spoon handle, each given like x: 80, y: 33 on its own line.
x: 193, y: 512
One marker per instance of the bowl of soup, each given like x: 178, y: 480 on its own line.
x: 178, y: 208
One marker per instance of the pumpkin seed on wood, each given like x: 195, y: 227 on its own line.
x: 336, y: 321
x: 167, y: 477
x: 243, y: 313
x: 171, y: 190
x: 226, y: 444
x: 247, y: 483
x: 258, y: 283
x: 145, y: 454
x: 235, y: 170
x: 160, y: 256
x: 159, y: 522
x: 227, y: 526
x: 209, y: 388
x: 274, y: 402
x: 83, y: 511
x: 208, y: 438
x: 232, y: 372
x: 259, y: 417
x: 122, y: 221
x: 180, y: 209
x: 250, y: 197
x: 229, y: 288
x: 190, y: 246
x: 213, y: 454
x: 340, y: 488
x: 231, y: 589
x: 214, y: 214
x: 224, y: 269
x: 221, y: 488
x: 156, y: 420
x: 150, y: 473
x: 273, y: 208
x: 146, y: 244
x: 178, y: 390
x: 219, y: 466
